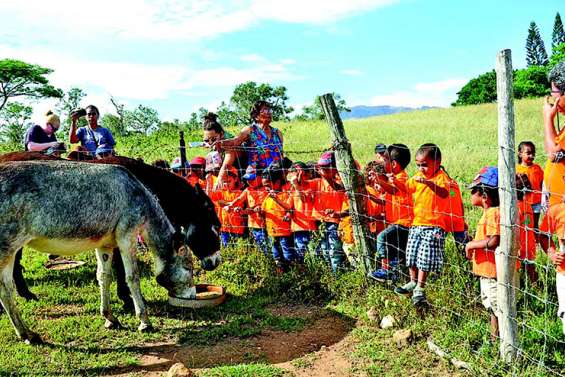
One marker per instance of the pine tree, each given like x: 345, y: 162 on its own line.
x: 558, y: 35
x: 535, y: 48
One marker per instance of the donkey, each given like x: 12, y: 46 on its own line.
x: 70, y: 207
x: 185, y: 206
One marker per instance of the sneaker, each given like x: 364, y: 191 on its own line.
x: 383, y: 276
x: 406, y: 289
x: 418, y: 297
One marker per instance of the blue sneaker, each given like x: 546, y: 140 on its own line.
x: 383, y: 276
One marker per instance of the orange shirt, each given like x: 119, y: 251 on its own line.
x: 554, y: 223
x: 325, y: 197
x: 193, y: 180
x: 274, y: 214
x: 345, y: 227
x: 526, y: 232
x: 484, y: 263
x: 253, y: 198
x: 302, y: 204
x: 455, y: 214
x: 375, y: 210
x: 553, y: 175
x: 429, y: 208
x: 535, y: 176
x: 231, y: 222
x: 399, y: 207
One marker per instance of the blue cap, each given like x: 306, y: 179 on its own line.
x: 250, y: 173
x: 487, y: 177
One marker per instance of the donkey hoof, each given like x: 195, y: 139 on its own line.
x: 32, y: 338
x: 113, y: 325
x: 145, y: 327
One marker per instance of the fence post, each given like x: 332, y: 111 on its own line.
x: 182, y: 149
x: 506, y: 256
x: 352, y: 179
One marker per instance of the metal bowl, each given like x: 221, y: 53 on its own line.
x: 207, y: 295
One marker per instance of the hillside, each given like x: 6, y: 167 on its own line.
x: 368, y: 111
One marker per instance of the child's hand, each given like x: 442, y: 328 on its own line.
x: 420, y: 179
x: 256, y: 209
x: 556, y: 257
x: 286, y: 217
x: 272, y: 193
x: 329, y: 212
x: 469, y: 251
x: 238, y: 209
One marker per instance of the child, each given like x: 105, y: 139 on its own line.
x: 527, y: 231
x: 233, y: 222
x: 391, y: 242
x: 526, y: 156
x: 328, y: 201
x: 554, y: 223
x: 301, y: 203
x: 252, y: 198
x: 276, y: 208
x: 196, y: 171
x: 484, y: 194
x: 426, y: 238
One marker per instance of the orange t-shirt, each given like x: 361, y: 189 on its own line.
x: 484, y: 263
x: 375, y: 210
x: 553, y: 175
x: 345, y: 228
x: 193, y: 180
x: 535, y: 176
x: 252, y: 198
x: 526, y: 233
x: 554, y: 223
x: 302, y: 204
x: 399, y: 208
x: 231, y: 222
x: 455, y: 213
x: 325, y: 197
x: 429, y: 208
x: 274, y: 214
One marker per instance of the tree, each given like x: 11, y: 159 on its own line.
x: 481, y: 89
x: 530, y: 82
x: 71, y: 101
x: 193, y: 123
x: 15, y: 115
x: 143, y: 119
x: 246, y: 94
x: 558, y: 56
x: 535, y: 49
x: 226, y: 116
x: 558, y: 35
x: 118, y: 124
x: 20, y: 79
x: 315, y: 112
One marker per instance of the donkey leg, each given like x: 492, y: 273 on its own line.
x: 104, y: 276
x: 7, y: 299
x: 132, y: 278
x: 21, y: 286
x: 123, y: 289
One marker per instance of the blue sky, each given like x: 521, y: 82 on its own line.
x: 177, y: 56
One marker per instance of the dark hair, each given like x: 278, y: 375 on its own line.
x: 525, y: 144
x: 557, y: 76
x: 161, y: 164
x: 256, y: 108
x: 93, y: 108
x: 399, y: 153
x: 429, y: 150
x: 286, y: 163
x: 374, y: 166
x: 490, y: 192
x: 211, y: 123
x: 298, y: 165
x: 273, y: 173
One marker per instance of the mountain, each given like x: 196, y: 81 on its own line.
x: 370, y: 111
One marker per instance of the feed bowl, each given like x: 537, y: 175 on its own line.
x: 207, y: 295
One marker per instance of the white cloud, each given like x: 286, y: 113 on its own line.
x: 351, y: 72
x: 439, y: 93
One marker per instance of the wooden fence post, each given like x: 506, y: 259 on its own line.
x: 352, y: 179
x: 506, y: 255
x: 182, y: 149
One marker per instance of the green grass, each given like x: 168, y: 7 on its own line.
x: 67, y: 314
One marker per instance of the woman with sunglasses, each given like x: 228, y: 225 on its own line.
x: 554, y: 137
x: 95, y: 140
x: 42, y: 138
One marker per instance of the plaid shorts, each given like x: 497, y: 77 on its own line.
x: 425, y: 248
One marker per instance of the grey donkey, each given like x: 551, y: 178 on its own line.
x: 68, y: 207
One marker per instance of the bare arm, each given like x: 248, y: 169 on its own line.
x: 236, y: 141
x: 549, y: 114
x: 73, y: 131
x: 37, y: 147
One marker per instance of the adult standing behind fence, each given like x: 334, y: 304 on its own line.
x: 554, y: 139
x: 94, y: 139
x: 262, y: 142
x: 42, y: 138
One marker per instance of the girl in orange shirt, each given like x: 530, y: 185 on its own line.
x: 526, y: 156
x: 233, y: 221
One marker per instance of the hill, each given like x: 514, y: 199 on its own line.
x: 369, y: 111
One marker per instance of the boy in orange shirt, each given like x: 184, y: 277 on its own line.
x: 196, y: 171
x: 481, y: 251
x: 233, y: 221
x: 426, y: 238
x: 328, y: 201
x: 554, y: 224
x: 526, y: 165
x: 276, y: 208
x: 391, y: 242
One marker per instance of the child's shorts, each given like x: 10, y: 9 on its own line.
x: 489, y: 294
x: 560, y: 282
x: 425, y: 248
x: 536, y: 208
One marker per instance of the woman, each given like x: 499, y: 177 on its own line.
x: 554, y: 140
x: 214, y: 136
x: 94, y: 139
x: 262, y: 142
x: 42, y: 138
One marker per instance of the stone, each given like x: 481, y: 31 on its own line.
x: 402, y: 337
x: 179, y: 370
x: 373, y: 315
x: 388, y: 322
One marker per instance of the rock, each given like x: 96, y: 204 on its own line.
x: 388, y: 322
x: 402, y: 337
x: 179, y: 370
x: 373, y: 315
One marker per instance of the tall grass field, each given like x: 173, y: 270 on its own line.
x: 67, y: 318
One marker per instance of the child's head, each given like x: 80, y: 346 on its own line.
x: 428, y: 159
x: 252, y: 177
x: 327, y: 165
x: 397, y: 158
x: 197, y: 165
x: 526, y: 152
x: 297, y: 172
x: 380, y: 151
x: 310, y: 171
x: 232, y: 178
x: 273, y: 177
x: 484, y: 189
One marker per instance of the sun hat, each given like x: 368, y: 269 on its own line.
x: 487, y: 177
x: 198, y: 160
x: 327, y: 159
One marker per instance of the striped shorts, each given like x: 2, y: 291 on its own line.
x: 425, y: 248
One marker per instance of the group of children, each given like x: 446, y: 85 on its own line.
x: 283, y: 207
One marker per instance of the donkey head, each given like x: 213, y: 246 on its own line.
x: 176, y: 273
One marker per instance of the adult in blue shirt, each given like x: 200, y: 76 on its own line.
x: 42, y: 138
x: 94, y: 139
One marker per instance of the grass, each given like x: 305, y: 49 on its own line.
x: 67, y: 314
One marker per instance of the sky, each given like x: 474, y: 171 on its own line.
x: 178, y: 56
